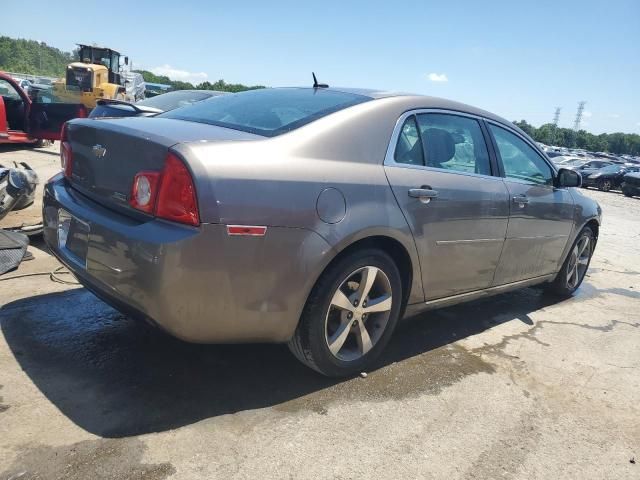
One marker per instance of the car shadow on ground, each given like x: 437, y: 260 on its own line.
x: 116, y: 377
x: 9, y: 148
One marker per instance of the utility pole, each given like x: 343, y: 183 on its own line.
x: 576, y: 124
x: 556, y: 119
x: 39, y: 54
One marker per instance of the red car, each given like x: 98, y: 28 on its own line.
x: 25, y: 121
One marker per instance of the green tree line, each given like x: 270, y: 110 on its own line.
x: 618, y: 143
x: 35, y: 58
x: 220, y: 85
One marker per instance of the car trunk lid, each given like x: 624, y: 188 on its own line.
x: 107, y: 154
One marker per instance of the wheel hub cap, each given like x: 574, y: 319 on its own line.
x: 358, y: 313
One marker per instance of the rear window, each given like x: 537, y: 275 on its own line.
x: 267, y: 112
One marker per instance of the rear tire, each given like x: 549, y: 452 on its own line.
x: 626, y: 192
x: 575, y: 266
x: 336, y: 337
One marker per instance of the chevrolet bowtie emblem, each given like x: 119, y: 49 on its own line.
x: 99, y: 151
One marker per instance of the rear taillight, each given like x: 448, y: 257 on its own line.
x: 169, y: 194
x: 144, y: 191
x: 177, y: 195
x: 66, y: 155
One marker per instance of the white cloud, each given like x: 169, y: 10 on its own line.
x: 183, y: 75
x: 614, y: 115
x: 587, y: 114
x: 438, y: 77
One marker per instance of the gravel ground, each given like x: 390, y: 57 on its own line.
x: 516, y: 386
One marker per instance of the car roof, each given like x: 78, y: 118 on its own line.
x: 418, y: 101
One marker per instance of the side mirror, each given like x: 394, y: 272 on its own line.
x: 568, y: 178
x: 126, y: 60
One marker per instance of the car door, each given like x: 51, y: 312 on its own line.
x: 541, y: 215
x: 14, y: 104
x: 445, y: 182
x: 45, y: 120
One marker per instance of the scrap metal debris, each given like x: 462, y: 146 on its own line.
x: 17, y: 187
x: 13, y: 247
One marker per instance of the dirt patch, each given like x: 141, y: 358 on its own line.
x: 95, y: 459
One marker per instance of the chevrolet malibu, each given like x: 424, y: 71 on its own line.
x: 313, y: 216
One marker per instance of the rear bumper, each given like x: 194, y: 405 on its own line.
x: 198, y: 284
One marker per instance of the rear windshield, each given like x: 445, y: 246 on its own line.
x: 267, y: 112
x: 172, y: 100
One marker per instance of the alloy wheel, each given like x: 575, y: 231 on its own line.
x: 606, y: 186
x: 358, y: 314
x: 579, y: 261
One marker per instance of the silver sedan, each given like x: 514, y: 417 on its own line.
x: 313, y: 216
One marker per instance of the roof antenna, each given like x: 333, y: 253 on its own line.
x: 316, y: 84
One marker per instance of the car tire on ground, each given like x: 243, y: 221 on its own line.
x: 626, y: 192
x: 350, y: 314
x: 42, y: 143
x: 575, y: 265
x: 604, y: 185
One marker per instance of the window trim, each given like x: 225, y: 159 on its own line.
x: 389, y: 159
x: 536, y: 149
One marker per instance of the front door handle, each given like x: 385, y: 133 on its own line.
x: 521, y: 200
x: 424, y: 192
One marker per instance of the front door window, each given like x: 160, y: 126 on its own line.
x: 521, y: 162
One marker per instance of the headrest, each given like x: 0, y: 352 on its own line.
x: 439, y: 145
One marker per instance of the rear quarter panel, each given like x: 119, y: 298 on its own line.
x: 277, y: 182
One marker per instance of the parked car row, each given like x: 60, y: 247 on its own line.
x: 604, y: 175
x: 553, y: 152
x: 609, y: 177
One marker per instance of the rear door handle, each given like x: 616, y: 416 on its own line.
x: 423, y: 193
x: 521, y: 200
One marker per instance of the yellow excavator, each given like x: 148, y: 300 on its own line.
x: 97, y: 75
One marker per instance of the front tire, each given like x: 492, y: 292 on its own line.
x: 604, y: 185
x: 575, y: 265
x: 41, y: 143
x: 350, y: 314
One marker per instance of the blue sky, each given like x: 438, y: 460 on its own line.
x: 516, y: 59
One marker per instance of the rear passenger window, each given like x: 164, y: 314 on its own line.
x: 409, y: 147
x: 454, y: 143
x: 521, y: 162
